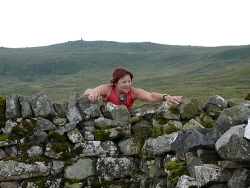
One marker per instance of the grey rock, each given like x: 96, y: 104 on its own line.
x: 186, y: 182
x: 216, y: 102
x: 150, y: 167
x: 88, y: 136
x: 88, y: 110
x: 192, y: 162
x: 237, y: 147
x: 112, y: 111
x: 97, y: 149
x: 8, y: 126
x: 247, y: 130
x: 51, y: 182
x: 60, y: 108
x: 240, y: 178
x: 117, y: 128
x: 39, y: 137
x: 238, y: 101
x: 13, y: 170
x: 179, y: 142
x: 230, y: 117
x: 8, y: 142
x: 110, y: 168
x: 80, y: 170
x: 2, y: 154
x: 57, y: 167
x: 41, y: 105
x: 189, y: 140
x: 55, y: 183
x: 75, y: 136
x: 9, y: 184
x: 211, y: 173
x: 13, y: 109
x: 73, y: 112
x: 129, y: 147
x: 26, y: 109
x: 160, y: 145
x: 147, y: 111
x: 65, y: 128
x: 59, y: 121
x: 43, y: 124
x: 168, y: 112
x: 35, y: 151
x: 192, y: 124
x: 190, y: 107
x: 233, y: 165
x: 103, y: 122
x: 11, y: 150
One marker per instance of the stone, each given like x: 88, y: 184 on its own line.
x: 110, y: 168
x: 13, y: 108
x: 237, y: 146
x: 80, y: 170
x: 60, y: 108
x: 73, y: 113
x: 14, y: 170
x: 41, y: 105
x: 230, y: 117
x: 26, y: 109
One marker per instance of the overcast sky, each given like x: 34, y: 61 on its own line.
x: 32, y: 23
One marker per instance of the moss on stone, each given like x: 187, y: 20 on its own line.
x: 71, y: 181
x: 247, y: 97
x: 24, y: 130
x: 4, y: 137
x: 171, y: 129
x: 59, y: 144
x: 101, y: 134
x: 55, y: 136
x: 2, y: 105
x: 154, y: 132
x: 174, y: 110
x: 40, y: 182
x: 2, y: 120
x: 161, y: 120
x: 210, y: 158
x: 2, y: 112
x: 192, y: 108
x: 176, y: 170
x: 107, y: 183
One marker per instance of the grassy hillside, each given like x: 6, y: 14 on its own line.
x: 74, y: 66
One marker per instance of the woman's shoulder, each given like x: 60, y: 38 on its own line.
x: 135, y: 92
x: 138, y: 93
x: 105, y: 89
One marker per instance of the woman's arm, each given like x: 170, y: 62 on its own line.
x: 154, y: 97
x: 95, y: 93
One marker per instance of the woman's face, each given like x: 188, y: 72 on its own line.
x: 124, y: 84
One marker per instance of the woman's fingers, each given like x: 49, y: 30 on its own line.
x: 94, y: 97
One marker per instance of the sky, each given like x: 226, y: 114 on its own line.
x: 34, y: 23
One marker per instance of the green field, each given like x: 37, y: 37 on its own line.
x: 62, y: 69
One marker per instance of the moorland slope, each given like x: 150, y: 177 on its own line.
x: 74, y: 66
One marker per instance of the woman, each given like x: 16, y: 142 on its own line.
x: 120, y: 91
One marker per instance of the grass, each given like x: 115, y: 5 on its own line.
x: 62, y: 69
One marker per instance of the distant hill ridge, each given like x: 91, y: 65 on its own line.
x: 77, y: 65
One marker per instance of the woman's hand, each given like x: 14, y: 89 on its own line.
x: 93, y: 95
x: 173, y: 99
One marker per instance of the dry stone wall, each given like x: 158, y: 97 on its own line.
x: 83, y: 144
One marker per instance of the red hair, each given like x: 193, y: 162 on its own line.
x: 119, y: 73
